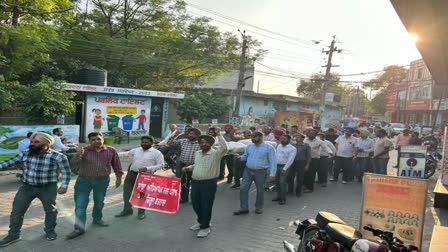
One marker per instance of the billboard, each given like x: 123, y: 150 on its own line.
x: 391, y: 98
x: 412, y: 161
x: 418, y: 104
x: 106, y: 111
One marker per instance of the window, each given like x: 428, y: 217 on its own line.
x: 420, y: 73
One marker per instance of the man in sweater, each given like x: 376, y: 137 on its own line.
x: 205, y: 171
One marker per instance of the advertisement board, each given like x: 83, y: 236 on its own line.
x: 418, y: 104
x: 156, y: 193
x: 10, y: 135
x: 391, y: 98
x: 412, y: 161
x: 394, y: 204
x: 106, y: 111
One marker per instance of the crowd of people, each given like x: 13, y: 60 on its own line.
x: 286, y: 157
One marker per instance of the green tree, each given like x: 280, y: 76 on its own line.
x: 392, y: 74
x: 202, y: 105
x: 48, y: 99
x: 27, y: 32
x: 377, y: 105
x: 312, y: 88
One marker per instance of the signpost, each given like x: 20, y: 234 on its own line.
x: 156, y: 193
x: 412, y: 161
x: 394, y: 204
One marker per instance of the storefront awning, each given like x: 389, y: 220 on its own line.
x: 429, y: 20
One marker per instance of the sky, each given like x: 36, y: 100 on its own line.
x: 369, y: 32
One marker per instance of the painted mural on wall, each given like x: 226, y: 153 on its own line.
x: 11, y: 135
x: 106, y: 111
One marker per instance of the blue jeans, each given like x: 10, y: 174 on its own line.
x: 141, y: 125
x: 83, y: 187
x: 248, y: 177
x: 362, y: 165
x: 380, y: 165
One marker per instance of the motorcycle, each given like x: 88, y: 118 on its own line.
x: 169, y: 156
x: 329, y: 233
x: 432, y: 156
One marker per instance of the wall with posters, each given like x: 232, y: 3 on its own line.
x: 106, y: 111
x: 10, y: 135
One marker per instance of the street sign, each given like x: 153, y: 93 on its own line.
x: 156, y: 193
x: 412, y: 161
x: 394, y: 204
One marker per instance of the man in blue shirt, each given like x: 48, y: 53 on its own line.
x: 260, y: 161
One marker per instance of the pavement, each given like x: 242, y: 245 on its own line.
x: 165, y: 232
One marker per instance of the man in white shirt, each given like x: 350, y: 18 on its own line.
x: 58, y: 146
x: 172, y: 131
x: 145, y: 159
x: 285, y: 155
x: 310, y: 175
x: 25, y: 143
x: 345, y: 146
x: 324, y: 162
x: 164, y: 147
x: 364, y: 146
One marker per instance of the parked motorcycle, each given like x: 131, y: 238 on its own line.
x: 329, y: 233
x: 432, y: 156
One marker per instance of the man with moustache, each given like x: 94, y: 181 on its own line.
x: 97, y: 162
x: 261, y: 161
x: 285, y: 157
x: 188, y: 148
x: 310, y: 174
x: 40, y: 177
x: 345, y: 146
x: 205, y: 171
x: 145, y: 159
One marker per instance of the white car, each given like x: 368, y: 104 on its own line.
x: 397, y: 128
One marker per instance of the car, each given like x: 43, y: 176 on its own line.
x: 397, y: 128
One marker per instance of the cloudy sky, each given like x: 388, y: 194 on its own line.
x: 369, y: 32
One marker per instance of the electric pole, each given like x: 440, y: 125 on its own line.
x: 327, y: 80
x: 241, y: 79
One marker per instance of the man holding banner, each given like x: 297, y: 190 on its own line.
x: 145, y: 159
x: 205, y: 172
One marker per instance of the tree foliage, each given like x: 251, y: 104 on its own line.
x: 202, y: 105
x: 392, y: 74
x: 42, y: 101
x: 313, y: 87
x: 377, y: 105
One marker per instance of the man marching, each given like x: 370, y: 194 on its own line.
x: 40, y: 179
x: 205, y: 172
x: 145, y: 159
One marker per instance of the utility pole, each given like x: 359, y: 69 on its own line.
x: 241, y: 79
x: 327, y: 78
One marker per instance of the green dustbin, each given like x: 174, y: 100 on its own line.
x: 112, y: 121
x: 109, y: 140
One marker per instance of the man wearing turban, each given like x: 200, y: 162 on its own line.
x: 205, y: 170
x: 40, y: 179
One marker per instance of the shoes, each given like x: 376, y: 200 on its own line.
x: 100, y: 223
x: 141, y: 216
x: 333, y: 180
x: 282, y: 202
x: 344, y: 182
x: 8, y: 240
x: 195, y: 227
x: 51, y: 236
x: 182, y: 201
x: 276, y: 199
x: 241, y: 211
x: 323, y: 185
x: 235, y: 186
x: 75, y: 234
x: 203, y: 233
x: 259, y: 210
x: 307, y: 191
x: 123, y: 214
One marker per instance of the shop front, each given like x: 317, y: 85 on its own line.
x: 139, y: 112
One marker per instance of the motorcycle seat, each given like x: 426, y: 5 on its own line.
x: 323, y: 218
x: 343, y: 233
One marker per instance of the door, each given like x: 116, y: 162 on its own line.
x: 155, y: 126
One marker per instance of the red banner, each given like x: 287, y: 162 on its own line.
x: 418, y: 105
x: 156, y: 193
x: 391, y: 97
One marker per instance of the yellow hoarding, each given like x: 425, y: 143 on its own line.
x: 121, y: 110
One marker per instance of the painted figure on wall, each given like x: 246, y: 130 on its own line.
x: 141, y: 120
x: 97, y: 120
